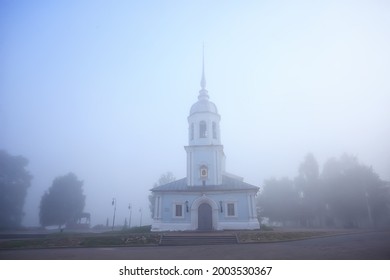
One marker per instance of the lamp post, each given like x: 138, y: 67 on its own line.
x: 129, y: 215
x: 113, y: 219
x: 140, y: 219
x: 368, y: 209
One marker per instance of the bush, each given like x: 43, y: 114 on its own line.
x: 264, y: 227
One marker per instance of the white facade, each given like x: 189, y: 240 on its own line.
x: 208, y: 198
x: 244, y: 217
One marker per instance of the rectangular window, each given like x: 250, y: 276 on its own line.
x: 230, y: 209
x: 179, y: 210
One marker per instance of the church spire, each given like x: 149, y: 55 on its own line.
x: 203, y: 93
x: 203, y: 80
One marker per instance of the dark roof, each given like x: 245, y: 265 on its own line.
x: 228, y: 183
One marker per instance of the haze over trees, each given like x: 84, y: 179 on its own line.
x: 345, y: 194
x: 14, y: 182
x: 63, y: 203
x: 165, y: 178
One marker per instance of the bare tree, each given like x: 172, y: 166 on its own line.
x: 164, y: 179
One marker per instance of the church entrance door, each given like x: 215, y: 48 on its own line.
x: 205, y: 220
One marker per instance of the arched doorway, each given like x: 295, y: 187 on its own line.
x: 205, y: 219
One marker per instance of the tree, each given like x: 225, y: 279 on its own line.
x: 354, y: 192
x: 309, y: 187
x: 309, y: 169
x: 14, y: 182
x: 164, y: 179
x: 279, y: 201
x: 378, y: 200
x: 63, y: 203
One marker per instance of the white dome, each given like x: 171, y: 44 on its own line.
x: 203, y: 106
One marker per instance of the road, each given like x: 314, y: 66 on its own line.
x: 358, y: 246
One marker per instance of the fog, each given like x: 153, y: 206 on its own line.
x: 104, y: 89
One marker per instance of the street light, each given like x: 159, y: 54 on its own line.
x: 113, y: 219
x: 129, y: 215
x: 140, y: 219
x: 368, y: 209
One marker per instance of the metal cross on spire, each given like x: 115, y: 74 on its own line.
x: 203, y: 93
x: 203, y: 80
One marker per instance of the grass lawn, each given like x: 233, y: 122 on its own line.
x: 275, y: 236
x: 147, y: 238
x: 84, y: 240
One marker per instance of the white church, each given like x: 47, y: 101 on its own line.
x: 209, y: 198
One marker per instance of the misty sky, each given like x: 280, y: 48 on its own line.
x: 103, y: 89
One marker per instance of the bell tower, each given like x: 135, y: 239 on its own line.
x: 205, y: 156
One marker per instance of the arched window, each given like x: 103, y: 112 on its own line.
x: 192, y: 131
x: 202, y: 129
x: 214, y: 130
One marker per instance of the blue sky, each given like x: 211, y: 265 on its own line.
x: 103, y: 89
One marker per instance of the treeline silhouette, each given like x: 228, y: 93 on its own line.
x: 61, y: 204
x: 344, y: 194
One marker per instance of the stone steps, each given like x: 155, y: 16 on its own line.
x: 183, y: 240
